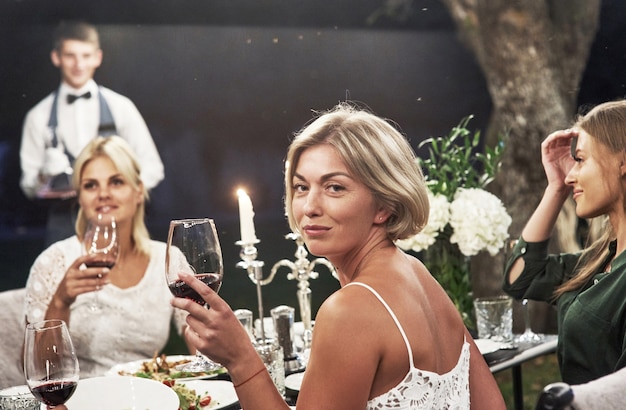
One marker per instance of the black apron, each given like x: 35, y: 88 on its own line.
x: 62, y: 212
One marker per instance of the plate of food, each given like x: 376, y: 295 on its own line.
x: 205, y: 394
x: 161, y: 368
x: 104, y: 393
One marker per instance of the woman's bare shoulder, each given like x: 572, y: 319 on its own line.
x: 350, y: 309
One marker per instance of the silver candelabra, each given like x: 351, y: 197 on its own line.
x: 301, y: 270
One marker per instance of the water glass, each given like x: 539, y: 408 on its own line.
x: 271, y: 353
x: 245, y: 318
x: 18, y: 398
x: 494, y: 318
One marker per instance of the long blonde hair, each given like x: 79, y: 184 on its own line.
x: 606, y: 124
x: 121, y: 154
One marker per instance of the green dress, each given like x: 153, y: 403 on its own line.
x: 591, y: 320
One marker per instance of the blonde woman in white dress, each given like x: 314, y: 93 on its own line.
x: 134, y: 315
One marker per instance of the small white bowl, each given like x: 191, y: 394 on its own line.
x: 18, y: 398
x: 108, y: 392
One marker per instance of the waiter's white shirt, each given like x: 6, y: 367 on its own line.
x: 77, y: 124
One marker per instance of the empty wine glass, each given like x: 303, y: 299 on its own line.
x: 101, y: 241
x: 50, y: 362
x: 528, y: 337
x: 193, y: 247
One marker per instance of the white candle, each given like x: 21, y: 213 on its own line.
x: 246, y: 217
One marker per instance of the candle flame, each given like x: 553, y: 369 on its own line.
x: 241, y: 192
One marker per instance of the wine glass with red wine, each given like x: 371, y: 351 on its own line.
x: 50, y: 362
x: 194, y: 248
x: 101, y: 242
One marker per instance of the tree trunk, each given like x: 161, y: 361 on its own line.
x: 533, y: 54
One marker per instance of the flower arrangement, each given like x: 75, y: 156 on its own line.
x: 464, y: 218
x: 478, y: 220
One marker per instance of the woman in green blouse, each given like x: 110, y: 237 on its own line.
x: 588, y: 288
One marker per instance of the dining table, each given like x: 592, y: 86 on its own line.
x: 499, y: 357
x: 513, y: 357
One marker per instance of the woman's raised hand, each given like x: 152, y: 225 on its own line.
x: 79, y: 279
x: 216, y: 331
x: 556, y: 156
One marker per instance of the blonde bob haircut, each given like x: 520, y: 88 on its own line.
x: 377, y: 155
x: 121, y: 154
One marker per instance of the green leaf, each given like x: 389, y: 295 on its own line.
x: 453, y: 162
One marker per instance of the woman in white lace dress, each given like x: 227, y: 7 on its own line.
x: 134, y: 315
x: 390, y: 338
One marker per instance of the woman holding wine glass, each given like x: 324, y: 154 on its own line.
x: 588, y: 163
x: 390, y: 337
x: 133, y: 317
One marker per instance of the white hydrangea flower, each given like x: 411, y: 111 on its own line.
x: 437, y: 219
x: 479, y: 221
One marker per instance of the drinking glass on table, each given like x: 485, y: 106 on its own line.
x: 101, y: 241
x: 528, y: 337
x: 193, y: 247
x: 50, y: 362
x: 494, y: 318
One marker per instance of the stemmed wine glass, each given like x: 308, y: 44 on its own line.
x: 50, y: 362
x: 193, y: 247
x: 101, y: 241
x: 528, y: 337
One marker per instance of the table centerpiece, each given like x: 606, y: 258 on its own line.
x: 464, y: 218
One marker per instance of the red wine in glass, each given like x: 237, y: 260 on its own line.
x: 54, y: 393
x: 101, y: 241
x: 181, y: 290
x: 50, y: 363
x: 100, y: 264
x: 193, y: 247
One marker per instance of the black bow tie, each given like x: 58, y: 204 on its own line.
x: 71, y: 97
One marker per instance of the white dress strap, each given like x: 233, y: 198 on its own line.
x: 393, y: 316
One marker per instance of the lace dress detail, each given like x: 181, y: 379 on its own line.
x: 133, y: 323
x: 421, y: 389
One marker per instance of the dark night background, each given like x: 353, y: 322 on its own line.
x: 224, y: 84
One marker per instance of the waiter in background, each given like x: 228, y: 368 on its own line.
x: 59, y: 126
